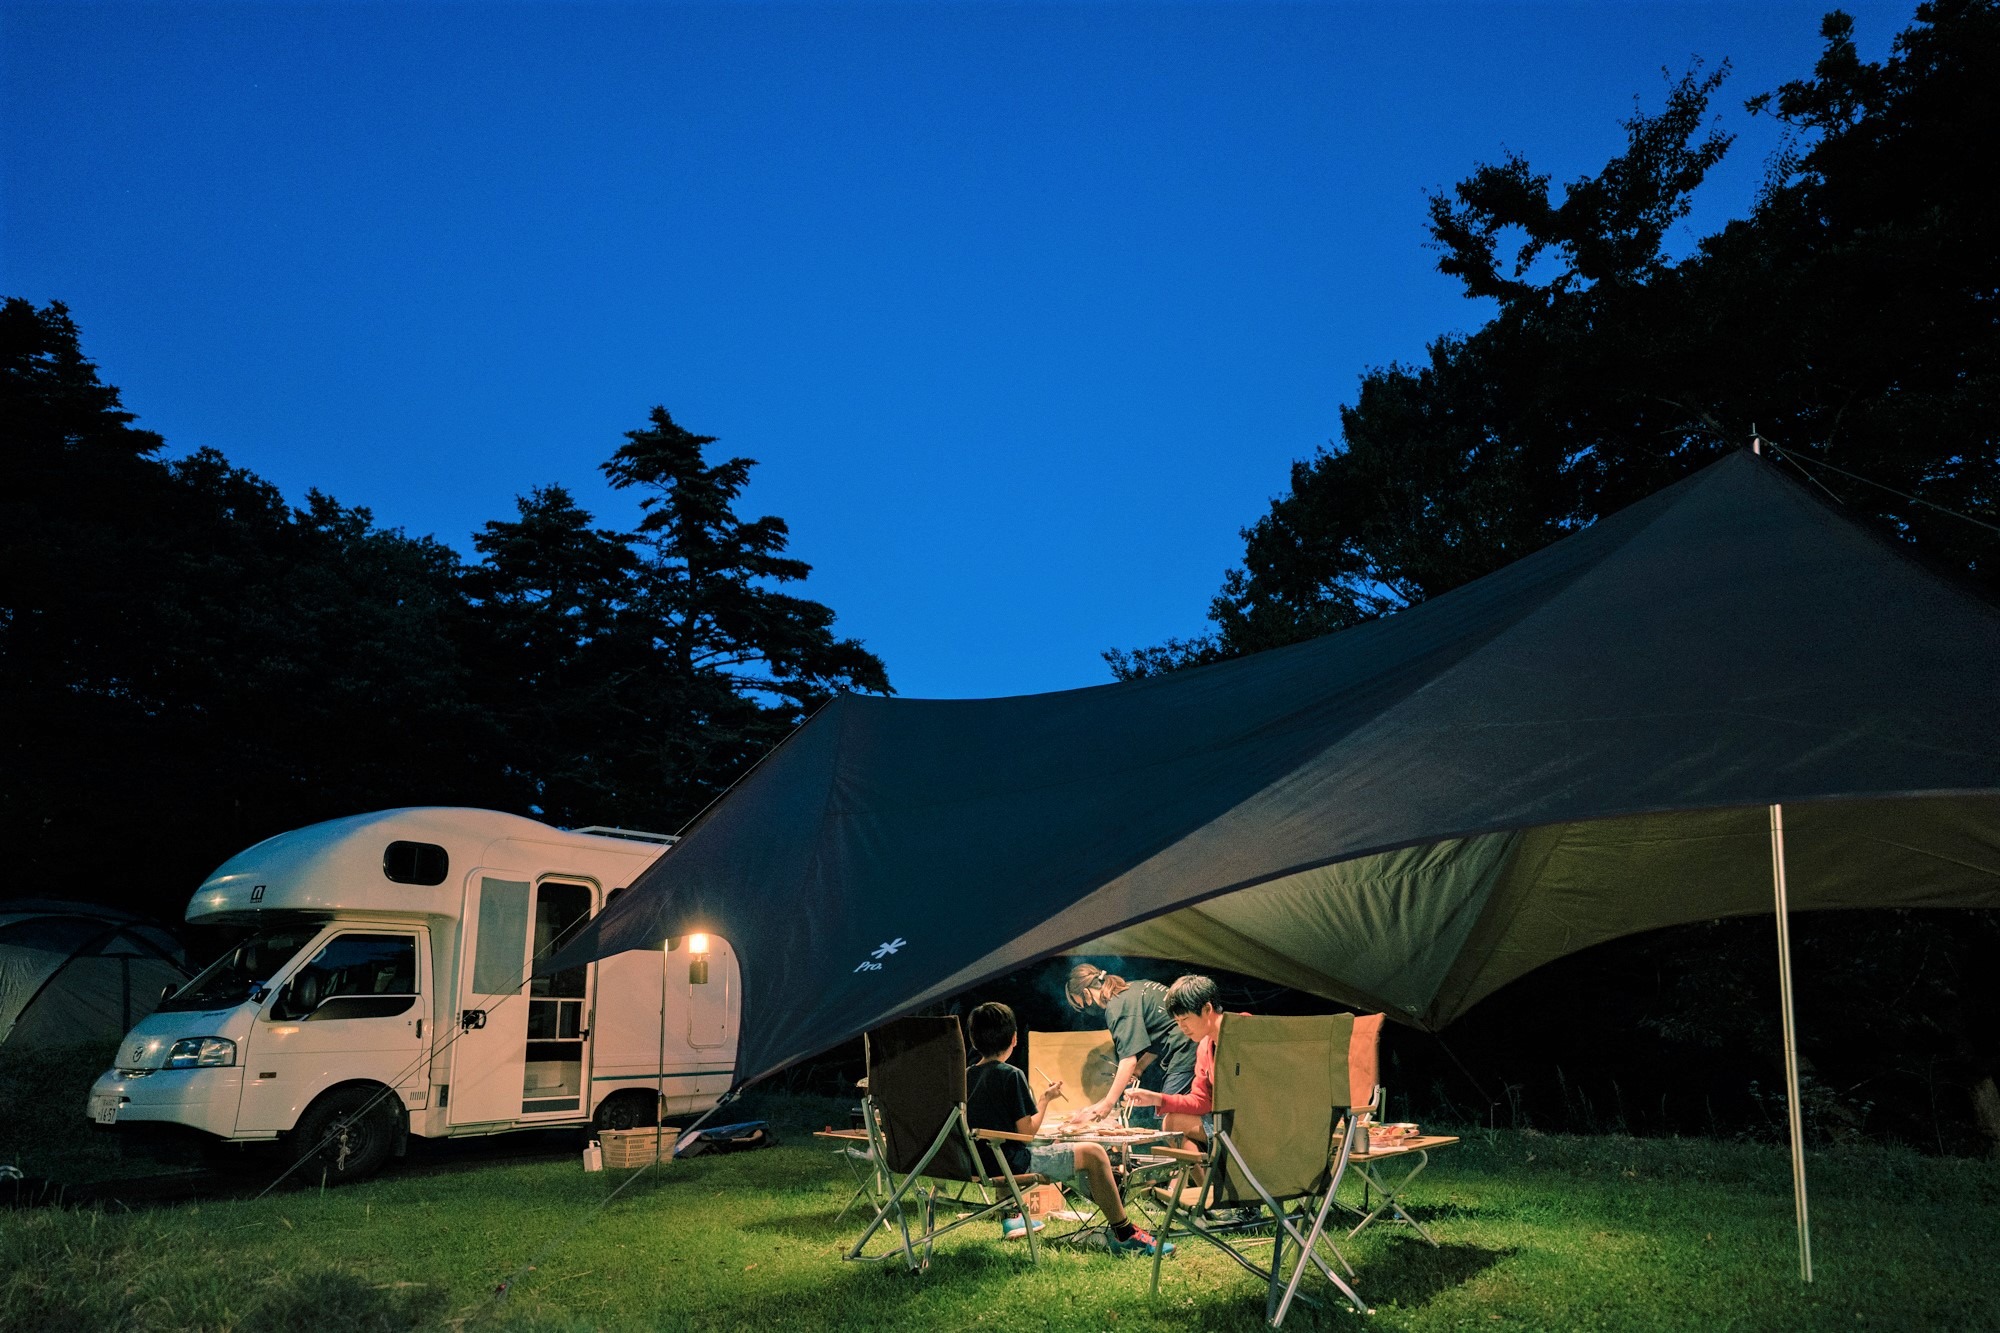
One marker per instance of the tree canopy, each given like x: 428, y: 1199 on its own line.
x: 190, y: 664
x: 1850, y: 318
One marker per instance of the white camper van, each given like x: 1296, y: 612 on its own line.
x: 391, y: 953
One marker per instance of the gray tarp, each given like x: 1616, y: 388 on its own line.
x: 1404, y: 815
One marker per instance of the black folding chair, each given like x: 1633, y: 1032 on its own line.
x: 915, y: 1117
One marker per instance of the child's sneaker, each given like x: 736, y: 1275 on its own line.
x: 1013, y: 1228
x: 1139, y: 1242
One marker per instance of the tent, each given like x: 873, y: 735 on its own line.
x: 74, y: 972
x: 1593, y: 741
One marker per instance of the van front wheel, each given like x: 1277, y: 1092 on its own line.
x: 346, y: 1135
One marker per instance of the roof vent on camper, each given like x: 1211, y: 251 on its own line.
x: 415, y: 862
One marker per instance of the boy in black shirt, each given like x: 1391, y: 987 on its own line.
x: 997, y: 1097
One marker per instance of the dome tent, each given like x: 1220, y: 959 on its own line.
x: 76, y: 972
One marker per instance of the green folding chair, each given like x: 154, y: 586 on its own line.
x: 1283, y: 1135
x: 915, y: 1117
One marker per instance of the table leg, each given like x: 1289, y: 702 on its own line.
x: 1389, y: 1192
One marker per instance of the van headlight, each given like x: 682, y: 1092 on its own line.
x: 201, y: 1053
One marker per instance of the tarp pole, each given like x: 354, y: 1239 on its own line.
x: 1796, y: 1112
x: 660, y: 1105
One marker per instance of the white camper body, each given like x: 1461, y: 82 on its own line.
x: 392, y: 952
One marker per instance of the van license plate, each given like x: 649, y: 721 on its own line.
x: 105, y: 1111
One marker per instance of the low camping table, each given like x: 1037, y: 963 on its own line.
x: 1369, y: 1164
x: 1118, y: 1147
x: 853, y: 1148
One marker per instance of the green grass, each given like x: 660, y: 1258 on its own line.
x: 1538, y: 1233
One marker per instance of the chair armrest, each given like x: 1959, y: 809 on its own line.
x: 1002, y: 1135
x: 1178, y: 1154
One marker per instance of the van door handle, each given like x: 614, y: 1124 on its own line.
x: 420, y: 1029
x: 469, y: 1019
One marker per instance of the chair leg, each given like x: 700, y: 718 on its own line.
x: 1309, y: 1257
x: 1275, y: 1307
x: 895, y: 1201
x: 1014, y: 1188
x: 1308, y: 1245
x: 1160, y: 1240
x: 1272, y: 1314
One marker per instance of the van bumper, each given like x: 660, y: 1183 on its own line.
x: 203, y: 1099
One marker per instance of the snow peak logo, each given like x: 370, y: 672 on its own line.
x: 873, y: 963
x: 256, y: 893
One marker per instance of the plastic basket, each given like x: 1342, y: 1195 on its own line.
x: 626, y: 1148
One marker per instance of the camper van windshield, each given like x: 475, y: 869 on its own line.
x: 228, y: 979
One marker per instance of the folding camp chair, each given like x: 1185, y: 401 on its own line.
x: 915, y: 1117
x: 1364, y: 1064
x: 1284, y: 1129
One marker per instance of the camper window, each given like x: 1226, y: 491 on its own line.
x: 353, y: 976
x: 229, y: 979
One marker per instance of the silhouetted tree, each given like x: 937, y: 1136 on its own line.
x: 187, y: 664
x: 554, y: 599
x: 1849, y: 317
x: 735, y: 663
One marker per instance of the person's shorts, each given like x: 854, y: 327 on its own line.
x: 1057, y: 1161
x: 1208, y: 1125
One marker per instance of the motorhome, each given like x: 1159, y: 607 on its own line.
x: 385, y: 990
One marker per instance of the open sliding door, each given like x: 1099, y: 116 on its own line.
x: 489, y: 1057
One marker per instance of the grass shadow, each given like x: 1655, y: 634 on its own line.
x: 1441, y: 1212
x: 815, y: 1226
x: 1412, y: 1274
x: 329, y: 1298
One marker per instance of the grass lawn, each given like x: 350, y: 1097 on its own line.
x: 1538, y: 1232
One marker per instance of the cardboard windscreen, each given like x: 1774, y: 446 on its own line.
x: 1082, y: 1060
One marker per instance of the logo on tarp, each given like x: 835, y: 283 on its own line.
x: 873, y: 963
x: 256, y: 893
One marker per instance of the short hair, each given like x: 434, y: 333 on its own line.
x: 992, y: 1027
x: 1188, y: 994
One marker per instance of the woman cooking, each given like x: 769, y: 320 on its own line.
x: 1151, y: 1049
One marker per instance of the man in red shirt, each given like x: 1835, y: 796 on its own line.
x: 1191, y: 1004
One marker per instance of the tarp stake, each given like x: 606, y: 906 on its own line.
x: 1796, y: 1112
x: 659, y: 1123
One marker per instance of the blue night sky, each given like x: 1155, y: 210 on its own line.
x: 1023, y: 310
